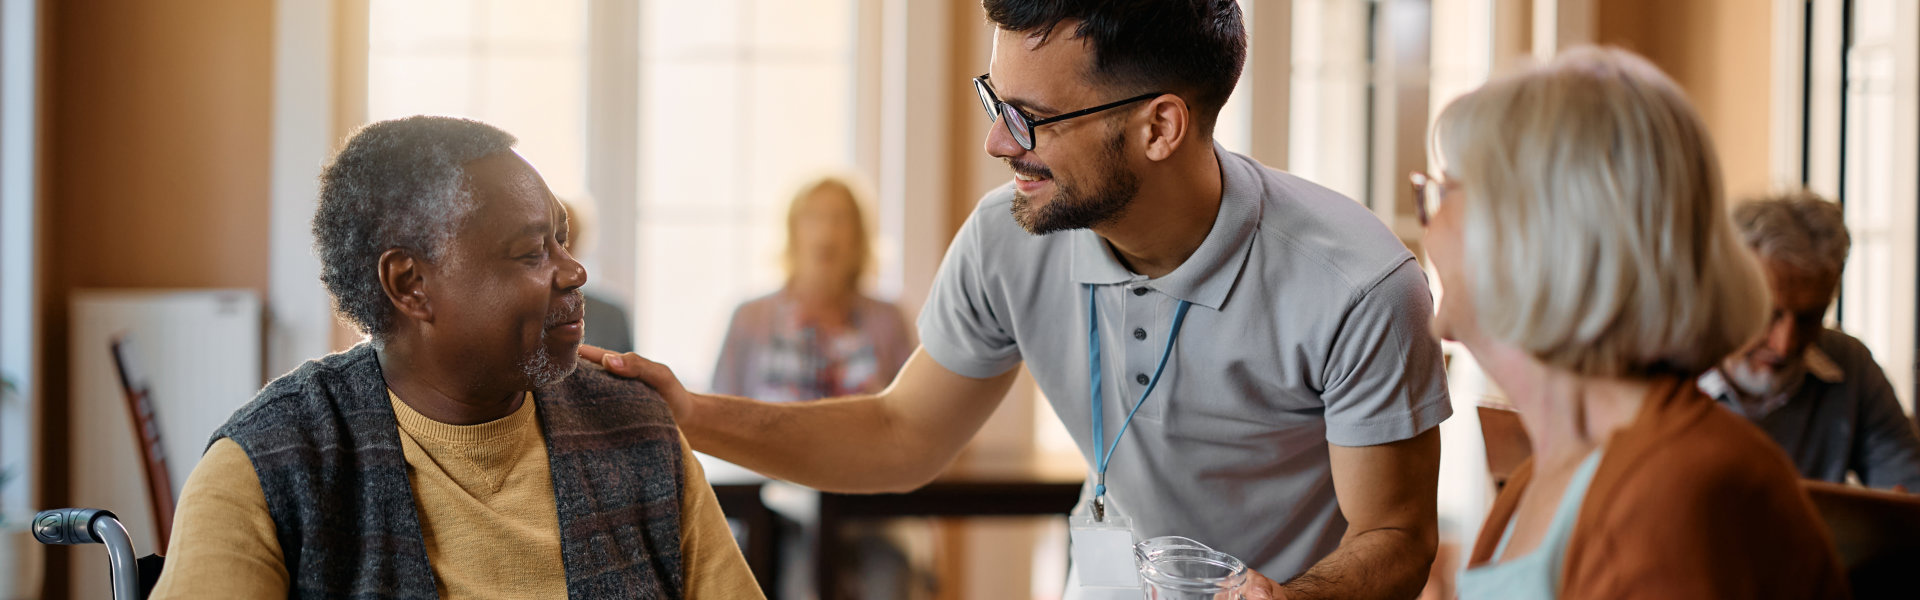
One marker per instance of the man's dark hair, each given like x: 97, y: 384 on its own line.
x: 1194, y: 48
x: 397, y: 184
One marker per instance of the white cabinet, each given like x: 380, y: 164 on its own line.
x: 198, y: 351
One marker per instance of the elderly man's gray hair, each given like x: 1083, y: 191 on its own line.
x: 397, y: 184
x: 1798, y: 228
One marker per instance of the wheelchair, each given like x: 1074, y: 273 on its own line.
x: 133, y: 578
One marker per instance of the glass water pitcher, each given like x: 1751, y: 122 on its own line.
x: 1178, y: 568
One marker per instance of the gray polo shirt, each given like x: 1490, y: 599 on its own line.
x: 1308, y: 327
x: 1843, y: 418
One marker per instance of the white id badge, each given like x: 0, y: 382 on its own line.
x: 1102, y: 554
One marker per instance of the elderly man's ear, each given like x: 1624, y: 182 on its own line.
x: 404, y: 279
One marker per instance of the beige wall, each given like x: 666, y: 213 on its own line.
x: 974, y: 171
x: 1720, y: 51
x: 984, y: 558
x: 157, y: 130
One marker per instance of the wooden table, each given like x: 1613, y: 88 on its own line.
x: 972, y: 488
x: 1877, y: 533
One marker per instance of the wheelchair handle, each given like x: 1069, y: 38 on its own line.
x: 69, y: 526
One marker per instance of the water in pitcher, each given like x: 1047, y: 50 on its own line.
x: 1178, y: 568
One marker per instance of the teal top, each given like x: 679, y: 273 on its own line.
x: 1535, y: 575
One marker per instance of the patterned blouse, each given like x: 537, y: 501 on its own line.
x: 771, y: 355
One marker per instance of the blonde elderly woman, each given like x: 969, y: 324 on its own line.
x: 817, y: 336
x: 1580, y: 238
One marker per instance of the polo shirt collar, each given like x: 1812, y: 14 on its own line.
x: 1822, y: 367
x: 1210, y: 273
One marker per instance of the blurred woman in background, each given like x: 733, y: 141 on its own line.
x: 1579, y: 232
x: 818, y: 336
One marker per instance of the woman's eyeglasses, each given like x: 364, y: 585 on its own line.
x: 1021, y: 125
x: 1427, y: 194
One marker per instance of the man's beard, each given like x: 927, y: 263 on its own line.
x: 1072, y: 209
x: 540, y: 366
x: 1763, y: 382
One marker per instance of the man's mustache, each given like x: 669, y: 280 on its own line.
x: 571, y: 308
x: 1029, y: 169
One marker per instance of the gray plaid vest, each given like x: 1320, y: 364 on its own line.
x: 326, y: 446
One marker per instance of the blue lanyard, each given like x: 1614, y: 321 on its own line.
x: 1102, y: 450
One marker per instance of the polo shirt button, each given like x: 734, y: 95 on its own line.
x: 1139, y: 334
x: 1141, y: 378
x: 1140, y: 291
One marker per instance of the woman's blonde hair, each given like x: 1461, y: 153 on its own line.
x: 1595, y: 234
x: 849, y: 187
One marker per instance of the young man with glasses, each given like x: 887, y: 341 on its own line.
x: 1242, y: 355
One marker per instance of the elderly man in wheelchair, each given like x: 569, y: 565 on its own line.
x: 462, y: 450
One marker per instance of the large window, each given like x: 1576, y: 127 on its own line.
x: 1850, y: 124
x: 1877, y: 185
x: 17, y: 183
x: 518, y: 65
x: 737, y: 102
x: 1332, y: 94
x: 1359, y: 100
x: 740, y: 100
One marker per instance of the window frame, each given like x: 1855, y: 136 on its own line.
x: 19, y: 221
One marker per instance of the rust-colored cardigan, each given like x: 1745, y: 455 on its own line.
x: 1689, y: 501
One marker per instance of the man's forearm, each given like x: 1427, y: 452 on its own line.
x: 848, y: 444
x: 893, y: 441
x: 1375, y: 564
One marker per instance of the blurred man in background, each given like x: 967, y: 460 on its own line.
x: 1816, y: 391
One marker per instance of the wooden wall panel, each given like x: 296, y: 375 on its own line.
x: 158, y: 131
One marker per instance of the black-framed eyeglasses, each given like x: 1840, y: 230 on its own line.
x: 1427, y: 194
x: 1021, y: 125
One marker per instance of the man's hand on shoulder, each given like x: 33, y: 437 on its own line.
x: 659, y: 376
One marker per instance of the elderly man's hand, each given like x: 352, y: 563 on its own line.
x: 659, y: 376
